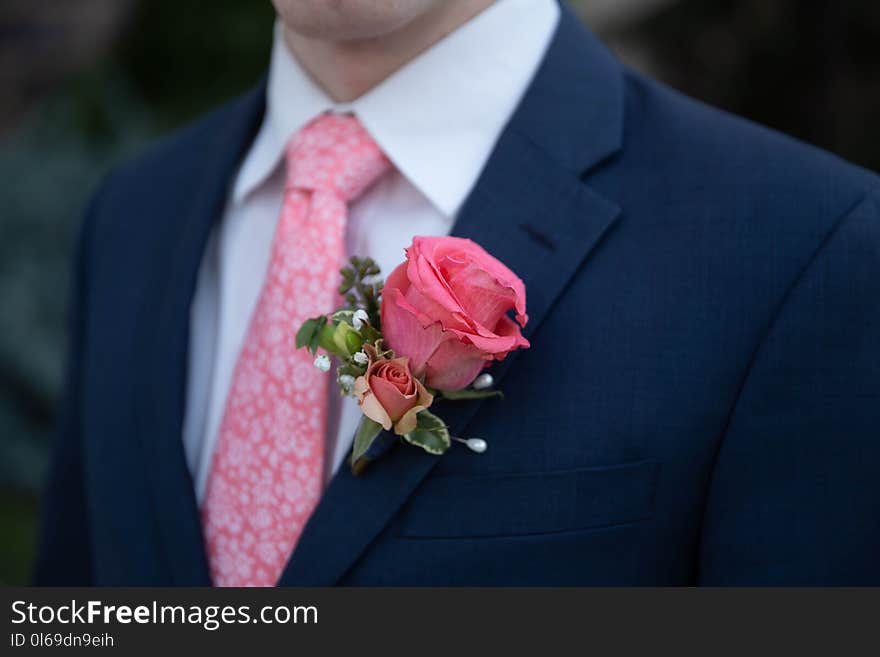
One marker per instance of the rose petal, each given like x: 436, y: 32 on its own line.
x: 450, y: 254
x: 490, y: 344
x: 424, y: 278
x: 371, y: 407
x: 397, y: 279
x: 391, y: 399
x: 480, y: 295
x: 409, y: 421
x: 507, y: 327
x: 404, y: 333
x: 396, y: 372
x: 454, y: 365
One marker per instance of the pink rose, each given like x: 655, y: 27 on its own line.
x: 390, y: 395
x: 446, y: 309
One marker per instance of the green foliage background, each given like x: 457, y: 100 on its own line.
x: 174, y: 61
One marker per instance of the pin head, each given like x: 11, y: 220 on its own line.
x: 483, y: 382
x: 477, y: 445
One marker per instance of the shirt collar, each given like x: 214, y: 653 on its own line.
x: 437, y: 118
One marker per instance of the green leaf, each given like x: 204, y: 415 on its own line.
x: 371, y: 335
x: 352, y: 369
x: 304, y: 335
x: 430, y: 434
x: 472, y: 394
x: 360, y: 288
x: 309, y: 333
x: 315, y: 342
x: 366, y: 433
x: 348, y: 279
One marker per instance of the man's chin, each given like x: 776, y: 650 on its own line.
x: 348, y: 20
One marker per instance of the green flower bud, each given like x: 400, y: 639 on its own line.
x: 346, y: 340
x: 325, y: 340
x: 353, y: 341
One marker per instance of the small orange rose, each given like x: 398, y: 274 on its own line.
x: 390, y: 395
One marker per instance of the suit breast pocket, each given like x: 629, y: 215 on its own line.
x: 474, y: 506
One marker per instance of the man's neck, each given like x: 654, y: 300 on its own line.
x: 346, y: 70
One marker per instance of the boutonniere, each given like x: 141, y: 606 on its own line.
x: 440, y: 319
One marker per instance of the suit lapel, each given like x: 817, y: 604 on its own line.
x: 530, y: 209
x: 164, y: 342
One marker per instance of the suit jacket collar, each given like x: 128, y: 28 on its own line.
x: 530, y: 208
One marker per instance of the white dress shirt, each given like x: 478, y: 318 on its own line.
x: 437, y: 119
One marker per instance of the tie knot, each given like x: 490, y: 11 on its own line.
x: 334, y: 153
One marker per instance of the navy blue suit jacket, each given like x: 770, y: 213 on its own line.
x: 700, y: 405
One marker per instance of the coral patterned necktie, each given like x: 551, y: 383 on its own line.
x: 267, y: 470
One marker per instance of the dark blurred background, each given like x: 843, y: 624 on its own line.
x: 84, y: 83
